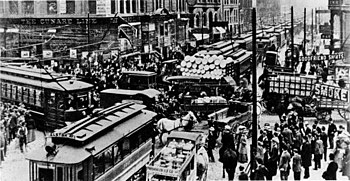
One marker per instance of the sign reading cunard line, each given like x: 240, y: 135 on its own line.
x: 332, y: 92
x: 332, y: 57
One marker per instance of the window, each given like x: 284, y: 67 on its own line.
x: 121, y: 6
x: 117, y: 153
x: 126, y: 147
x: 13, y: 7
x: 19, y: 93
x: 197, y: 20
x: 161, y: 29
x: 204, y: 20
x: 142, y: 6
x: 92, y: 6
x: 4, y: 90
x: 127, y: 5
x: 59, y: 174
x: 108, y: 158
x: 28, y: 7
x: 98, y: 165
x: 70, y: 7
x: 2, y: 5
x: 31, y: 96
x: 14, y: 92
x: 25, y: 95
x: 51, y: 7
x: 113, y: 6
x: 38, y: 97
x: 133, y: 6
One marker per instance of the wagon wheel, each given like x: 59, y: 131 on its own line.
x: 344, y: 113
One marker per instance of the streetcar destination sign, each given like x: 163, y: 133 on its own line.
x: 332, y: 57
x: 62, y: 135
x: 332, y: 92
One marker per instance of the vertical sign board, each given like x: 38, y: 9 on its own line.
x: 62, y: 6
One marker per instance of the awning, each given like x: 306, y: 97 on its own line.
x: 199, y: 36
x: 219, y: 30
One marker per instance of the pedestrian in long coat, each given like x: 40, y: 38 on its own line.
x: 296, y: 165
x: 346, y: 163
x: 318, y: 152
x: 298, y: 139
x: 272, y: 159
x: 284, y: 164
x: 242, y: 146
x: 306, y: 156
x: 324, y: 139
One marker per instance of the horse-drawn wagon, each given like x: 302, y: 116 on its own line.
x: 183, y: 158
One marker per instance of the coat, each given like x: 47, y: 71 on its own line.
x: 284, y: 162
x: 306, y: 155
x: 331, y: 172
x: 324, y: 139
x: 346, y: 164
x: 319, y: 149
x: 260, y: 173
x: 288, y: 136
x: 271, y: 162
x: 298, y: 140
x: 296, y: 163
x: 228, y: 140
x: 242, y: 148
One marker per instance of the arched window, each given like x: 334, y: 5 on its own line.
x: 204, y: 18
x: 197, y: 20
x: 216, y: 17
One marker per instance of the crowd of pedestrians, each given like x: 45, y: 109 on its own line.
x: 16, y: 125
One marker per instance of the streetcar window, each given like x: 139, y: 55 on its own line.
x: 19, y: 93
x: 59, y: 174
x: 98, y: 165
x: 31, y: 96
x: 14, y: 92
x: 117, y: 153
x: 82, y: 101
x: 38, y: 96
x: 4, y: 90
x: 80, y: 175
x: 126, y: 147
x: 46, y: 173
x: 108, y: 158
x: 25, y: 94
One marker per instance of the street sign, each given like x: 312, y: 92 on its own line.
x: 326, y: 36
x: 332, y: 57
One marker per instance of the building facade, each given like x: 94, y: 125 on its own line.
x: 340, y: 26
x: 157, y: 25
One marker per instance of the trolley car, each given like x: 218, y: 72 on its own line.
x: 53, y: 99
x: 115, y: 144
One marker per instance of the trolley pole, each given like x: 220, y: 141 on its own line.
x: 254, y: 86
x: 312, y: 28
x: 292, y: 36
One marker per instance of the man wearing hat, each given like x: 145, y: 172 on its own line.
x: 227, y: 141
x: 272, y: 158
x: 211, y: 143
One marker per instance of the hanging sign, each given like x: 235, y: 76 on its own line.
x: 73, y: 53
x: 47, y: 54
x: 25, y: 54
x: 332, y: 92
x: 332, y: 57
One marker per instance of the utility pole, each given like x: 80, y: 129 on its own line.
x: 304, y: 42
x: 254, y: 86
x: 292, y: 36
x: 312, y: 28
x: 89, y: 32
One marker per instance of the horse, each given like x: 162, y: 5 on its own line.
x: 202, y: 161
x: 167, y: 125
x: 229, y: 160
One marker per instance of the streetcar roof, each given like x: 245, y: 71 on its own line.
x: 69, y: 85
x: 139, y: 73
x: 147, y: 92
x: 73, y: 154
x: 193, y: 136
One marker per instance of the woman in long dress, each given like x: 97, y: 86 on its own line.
x: 242, y: 145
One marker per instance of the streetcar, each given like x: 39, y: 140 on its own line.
x: 114, y: 144
x: 53, y: 99
x: 138, y: 80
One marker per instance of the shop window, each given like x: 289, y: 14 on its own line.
x: 92, y: 6
x: 98, y: 165
x: 28, y: 7
x: 70, y: 7
x: 108, y: 158
x: 51, y: 7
